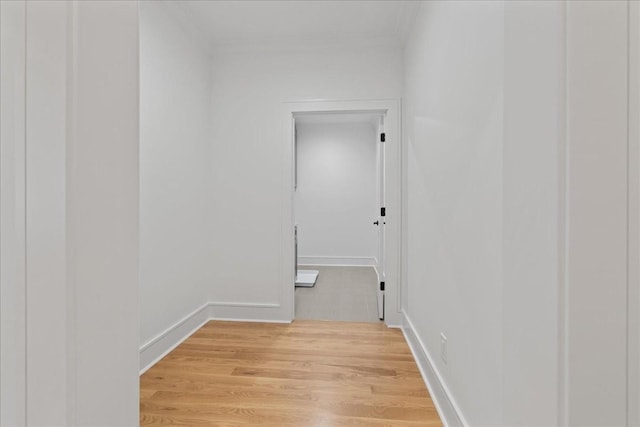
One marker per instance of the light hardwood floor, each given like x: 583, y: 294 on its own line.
x: 308, y: 373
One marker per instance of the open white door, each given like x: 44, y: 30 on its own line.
x: 303, y: 278
x: 294, y: 136
x: 380, y: 267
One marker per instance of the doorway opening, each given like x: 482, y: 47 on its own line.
x: 339, y: 215
x: 341, y: 239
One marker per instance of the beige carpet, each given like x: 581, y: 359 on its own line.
x: 341, y: 293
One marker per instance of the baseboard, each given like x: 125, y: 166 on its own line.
x: 449, y: 411
x: 240, y: 319
x: 247, y: 312
x: 375, y: 267
x: 337, y: 261
x: 162, y: 344
x: 159, y: 346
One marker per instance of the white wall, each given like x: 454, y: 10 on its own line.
x: 634, y: 215
x: 46, y: 216
x: 69, y: 213
x: 12, y: 215
x: 335, y: 201
x: 596, y: 286
x: 102, y: 214
x: 175, y: 237
x: 453, y: 129
x: 516, y: 124
x: 532, y: 182
x: 250, y: 152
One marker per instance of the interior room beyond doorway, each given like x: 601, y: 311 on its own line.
x: 338, y: 191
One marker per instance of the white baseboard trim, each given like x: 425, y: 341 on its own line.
x: 337, y: 261
x: 159, y: 346
x: 162, y: 344
x: 375, y: 267
x: 227, y: 319
x: 447, y: 408
x: 247, y: 312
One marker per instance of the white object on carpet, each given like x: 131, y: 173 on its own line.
x: 307, y: 278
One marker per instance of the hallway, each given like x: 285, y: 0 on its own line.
x: 160, y: 161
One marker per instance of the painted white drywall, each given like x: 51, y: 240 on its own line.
x: 46, y: 216
x: 175, y: 89
x: 102, y: 214
x: 12, y: 214
x: 335, y: 201
x: 532, y: 182
x: 453, y: 133
x: 597, y: 292
x: 634, y: 215
x: 249, y: 155
x: 498, y: 109
x: 70, y: 131
x: 81, y: 213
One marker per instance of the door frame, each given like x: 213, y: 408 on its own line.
x: 380, y: 201
x: 393, y: 184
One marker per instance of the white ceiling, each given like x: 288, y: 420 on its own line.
x: 225, y: 23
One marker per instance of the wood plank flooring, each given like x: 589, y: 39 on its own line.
x: 307, y: 373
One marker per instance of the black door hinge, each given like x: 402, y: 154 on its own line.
x: 383, y: 211
x: 382, y: 286
x: 383, y: 137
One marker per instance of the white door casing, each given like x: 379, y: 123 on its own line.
x: 380, y: 171
x: 391, y: 109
